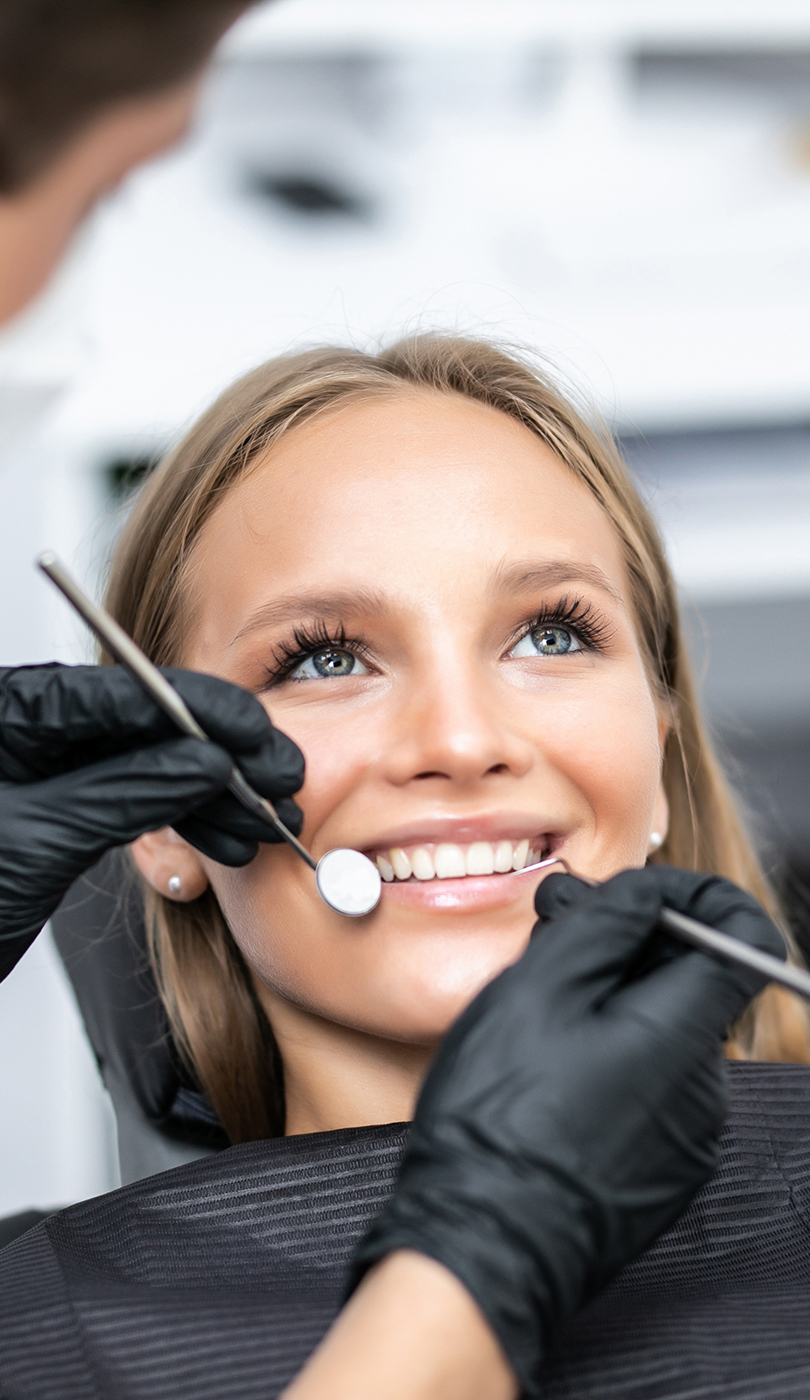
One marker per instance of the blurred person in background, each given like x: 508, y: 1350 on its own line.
x: 89, y: 89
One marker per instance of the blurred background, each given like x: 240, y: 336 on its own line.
x: 624, y: 187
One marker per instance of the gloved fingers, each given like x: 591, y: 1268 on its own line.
x: 276, y: 769
x: 227, y: 832
x: 217, y: 843
x: 694, y: 996
x: 722, y: 905
x: 55, y: 829
x: 234, y: 718
x: 113, y: 802
x: 617, y: 912
x: 57, y: 718
x: 590, y: 947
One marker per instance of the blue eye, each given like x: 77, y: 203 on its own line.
x: 330, y: 663
x: 547, y: 641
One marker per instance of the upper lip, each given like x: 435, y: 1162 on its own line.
x: 494, y: 826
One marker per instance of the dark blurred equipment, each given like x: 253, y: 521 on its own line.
x: 310, y: 195
x: 123, y: 475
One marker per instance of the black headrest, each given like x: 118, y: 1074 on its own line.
x: 99, y: 931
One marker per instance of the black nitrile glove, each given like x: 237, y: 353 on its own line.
x: 89, y: 761
x: 574, y: 1108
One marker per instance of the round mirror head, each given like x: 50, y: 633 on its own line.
x: 348, y: 882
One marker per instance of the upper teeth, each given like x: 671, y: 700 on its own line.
x: 447, y: 861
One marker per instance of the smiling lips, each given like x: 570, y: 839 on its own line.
x: 449, y: 861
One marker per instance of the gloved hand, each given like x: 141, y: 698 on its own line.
x: 89, y: 761
x: 574, y: 1108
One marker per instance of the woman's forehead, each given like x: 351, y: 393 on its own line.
x: 401, y: 491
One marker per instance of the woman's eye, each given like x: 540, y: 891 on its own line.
x: 330, y: 662
x: 547, y: 641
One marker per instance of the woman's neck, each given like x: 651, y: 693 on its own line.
x: 337, y: 1077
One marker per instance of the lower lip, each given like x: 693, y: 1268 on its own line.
x: 469, y: 892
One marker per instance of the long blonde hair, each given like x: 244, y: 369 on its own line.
x: 207, y: 989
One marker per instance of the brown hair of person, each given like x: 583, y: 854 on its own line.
x: 64, y: 62
x: 206, y: 987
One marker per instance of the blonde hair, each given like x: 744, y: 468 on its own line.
x: 206, y: 987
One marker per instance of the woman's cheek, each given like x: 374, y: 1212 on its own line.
x: 611, y: 753
x: 339, y: 747
x: 274, y: 912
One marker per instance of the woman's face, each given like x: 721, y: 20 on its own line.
x: 436, y: 610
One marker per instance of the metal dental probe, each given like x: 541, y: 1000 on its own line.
x: 347, y: 880
x: 708, y: 939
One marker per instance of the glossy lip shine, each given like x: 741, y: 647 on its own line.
x: 469, y: 892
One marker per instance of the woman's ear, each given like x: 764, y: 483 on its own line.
x: 170, y: 864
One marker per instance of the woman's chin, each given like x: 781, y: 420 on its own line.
x: 423, y: 984
x: 409, y: 969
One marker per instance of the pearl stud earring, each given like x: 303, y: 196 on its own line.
x: 656, y: 840
x: 175, y: 884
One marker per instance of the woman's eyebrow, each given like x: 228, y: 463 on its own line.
x: 525, y: 575
x: 294, y: 607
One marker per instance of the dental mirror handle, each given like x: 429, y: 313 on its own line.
x: 149, y: 677
x: 710, y: 940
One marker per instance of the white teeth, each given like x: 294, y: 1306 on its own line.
x: 480, y: 858
x: 503, y: 857
x: 422, y: 862
x: 449, y: 861
x: 385, y: 868
x: 401, y: 864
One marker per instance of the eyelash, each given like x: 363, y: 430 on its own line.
x: 574, y: 614
x: 304, y: 642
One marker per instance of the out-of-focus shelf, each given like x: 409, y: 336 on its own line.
x: 301, y: 25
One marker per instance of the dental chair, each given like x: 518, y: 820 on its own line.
x: 163, y: 1119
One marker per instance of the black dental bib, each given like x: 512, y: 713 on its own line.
x: 217, y: 1279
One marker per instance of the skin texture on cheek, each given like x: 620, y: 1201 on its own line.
x: 611, y: 750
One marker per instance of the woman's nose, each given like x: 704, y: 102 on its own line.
x: 453, y: 727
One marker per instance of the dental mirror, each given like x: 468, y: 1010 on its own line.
x: 346, y: 880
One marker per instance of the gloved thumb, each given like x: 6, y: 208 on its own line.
x: 558, y: 892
